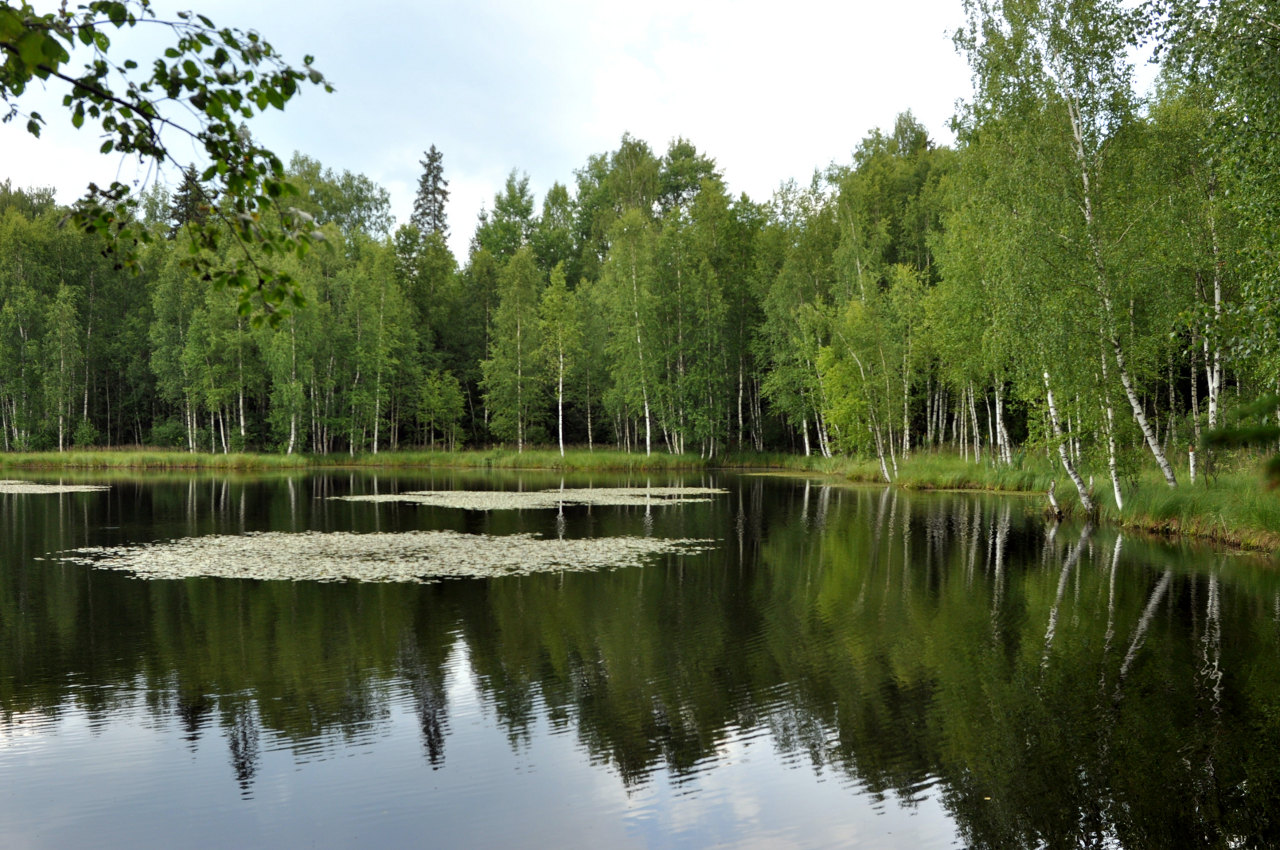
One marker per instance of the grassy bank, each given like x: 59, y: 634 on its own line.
x: 142, y: 458
x: 1233, y: 507
x: 574, y: 460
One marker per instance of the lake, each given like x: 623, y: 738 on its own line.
x: 821, y: 665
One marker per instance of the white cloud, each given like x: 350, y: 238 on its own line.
x: 771, y: 91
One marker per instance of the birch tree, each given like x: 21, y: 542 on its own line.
x: 561, y: 331
x: 513, y: 372
x: 1056, y: 75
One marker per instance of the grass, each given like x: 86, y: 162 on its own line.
x: 1233, y: 507
x: 144, y: 458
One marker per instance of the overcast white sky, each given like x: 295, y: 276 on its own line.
x: 770, y: 90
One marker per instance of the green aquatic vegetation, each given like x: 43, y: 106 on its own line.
x: 413, y: 556
x: 506, y: 500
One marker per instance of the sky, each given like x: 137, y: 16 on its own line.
x: 771, y: 91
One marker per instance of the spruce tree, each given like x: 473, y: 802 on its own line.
x: 433, y: 193
x: 191, y: 202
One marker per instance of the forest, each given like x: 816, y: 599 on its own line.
x: 1088, y: 272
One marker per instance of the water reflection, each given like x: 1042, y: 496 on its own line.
x: 1060, y: 687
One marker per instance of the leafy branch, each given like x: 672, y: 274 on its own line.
x: 215, y: 79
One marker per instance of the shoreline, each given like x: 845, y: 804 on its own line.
x: 1233, y: 508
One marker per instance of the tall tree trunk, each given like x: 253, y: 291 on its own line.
x: 1112, y: 468
x: 1213, y: 359
x: 906, y: 407
x: 1086, y: 501
x: 1136, y: 405
x: 560, y: 402
x: 1195, y: 390
x: 977, y: 430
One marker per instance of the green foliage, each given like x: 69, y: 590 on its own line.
x: 198, y: 91
x: 513, y: 372
x: 1248, y: 426
x: 509, y: 226
x: 85, y: 435
x: 353, y: 202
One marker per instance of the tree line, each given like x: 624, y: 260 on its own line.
x: 1087, y: 271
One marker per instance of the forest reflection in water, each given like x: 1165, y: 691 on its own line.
x: 1047, y: 686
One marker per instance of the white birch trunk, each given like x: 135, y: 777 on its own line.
x: 1112, y: 469
x: 906, y: 410
x: 1213, y: 360
x: 1136, y: 405
x: 977, y: 431
x: 560, y: 402
x: 1086, y: 501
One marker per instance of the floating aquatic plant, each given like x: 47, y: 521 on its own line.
x: 413, y: 556
x: 506, y: 500
x: 32, y: 488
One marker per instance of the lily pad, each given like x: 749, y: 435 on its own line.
x: 32, y: 488
x: 507, y: 500
x: 413, y: 556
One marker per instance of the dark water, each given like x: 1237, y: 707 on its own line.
x: 849, y: 667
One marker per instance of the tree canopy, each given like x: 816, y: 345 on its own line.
x: 201, y: 89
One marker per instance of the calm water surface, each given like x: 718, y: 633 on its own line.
x: 847, y: 667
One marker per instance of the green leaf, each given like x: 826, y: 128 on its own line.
x: 31, y: 48
x: 10, y: 25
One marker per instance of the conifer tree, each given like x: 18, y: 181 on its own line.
x: 433, y: 193
x: 191, y: 202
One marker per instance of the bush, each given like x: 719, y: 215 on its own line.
x: 85, y: 434
x: 169, y: 433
